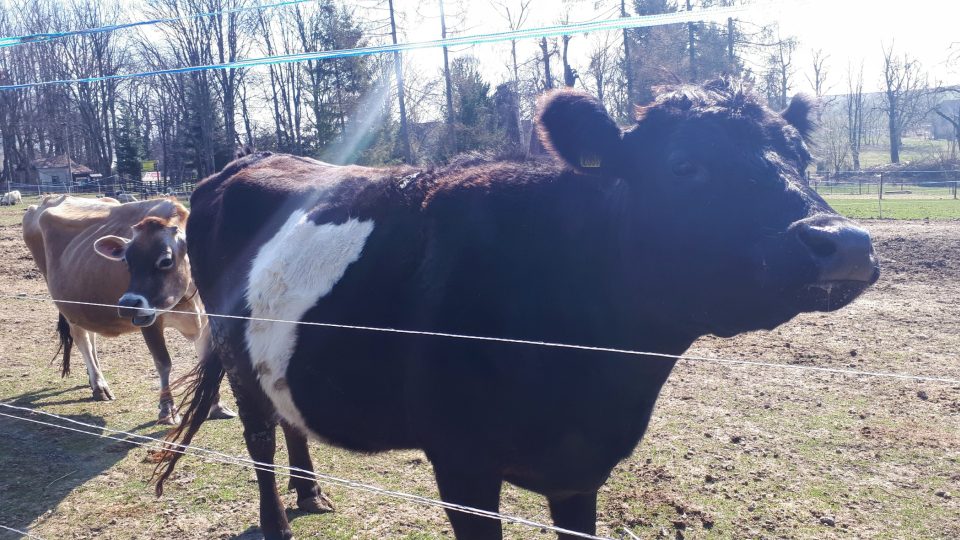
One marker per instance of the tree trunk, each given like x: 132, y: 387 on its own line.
x: 451, y: 132
x: 569, y: 75
x: 627, y: 67
x: 548, y: 78
x: 894, y: 136
x: 692, y: 48
x: 398, y: 69
x: 730, y: 38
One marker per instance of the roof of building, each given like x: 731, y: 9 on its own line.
x: 60, y: 162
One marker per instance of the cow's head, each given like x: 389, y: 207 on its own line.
x: 717, y: 230
x: 156, y: 256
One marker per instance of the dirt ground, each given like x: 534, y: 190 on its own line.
x: 733, y: 451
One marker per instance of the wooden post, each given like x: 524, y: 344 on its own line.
x: 880, y: 197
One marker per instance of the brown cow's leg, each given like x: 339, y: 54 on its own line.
x: 576, y: 513
x: 153, y: 335
x: 86, y: 342
x: 259, y: 432
x: 309, y: 496
x: 471, y: 486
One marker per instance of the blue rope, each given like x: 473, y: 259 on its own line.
x: 50, y: 36
x: 532, y: 33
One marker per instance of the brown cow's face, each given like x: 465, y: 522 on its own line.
x: 156, y: 257
x: 720, y: 231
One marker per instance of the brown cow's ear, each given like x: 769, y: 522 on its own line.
x: 799, y: 114
x: 111, y: 247
x: 577, y: 129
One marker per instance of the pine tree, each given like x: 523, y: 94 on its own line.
x: 129, y: 147
x: 473, y: 106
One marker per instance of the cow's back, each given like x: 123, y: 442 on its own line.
x: 49, y: 226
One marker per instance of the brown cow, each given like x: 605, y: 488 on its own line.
x: 65, y: 235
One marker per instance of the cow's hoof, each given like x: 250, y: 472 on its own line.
x: 103, y: 394
x: 219, y: 412
x: 321, y: 504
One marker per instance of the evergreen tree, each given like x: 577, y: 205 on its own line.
x: 336, y: 85
x: 129, y: 147
x: 473, y: 106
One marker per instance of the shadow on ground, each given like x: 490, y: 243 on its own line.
x: 40, y: 465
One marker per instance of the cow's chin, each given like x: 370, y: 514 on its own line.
x: 144, y: 320
x: 830, y: 295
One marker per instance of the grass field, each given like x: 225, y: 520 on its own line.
x: 890, y: 208
x: 732, y: 452
x: 912, y: 150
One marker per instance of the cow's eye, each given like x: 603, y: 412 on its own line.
x: 165, y: 263
x: 684, y: 169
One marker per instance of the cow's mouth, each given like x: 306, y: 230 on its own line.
x: 833, y: 295
x: 144, y: 320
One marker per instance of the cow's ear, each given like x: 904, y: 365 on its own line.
x: 799, y: 114
x: 575, y: 127
x: 179, y: 237
x: 111, y: 247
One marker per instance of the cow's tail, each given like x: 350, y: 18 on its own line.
x: 202, y: 386
x: 66, y: 344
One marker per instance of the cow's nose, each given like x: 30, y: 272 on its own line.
x: 131, y: 305
x: 132, y: 301
x: 841, y: 250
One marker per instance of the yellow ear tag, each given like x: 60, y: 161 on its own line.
x: 590, y: 161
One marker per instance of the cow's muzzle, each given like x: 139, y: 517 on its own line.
x: 137, y: 308
x: 843, y: 255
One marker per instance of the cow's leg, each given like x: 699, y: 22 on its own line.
x: 472, y: 486
x: 218, y: 411
x: 153, y: 335
x: 86, y: 342
x: 259, y: 432
x: 310, y: 497
x: 575, y: 513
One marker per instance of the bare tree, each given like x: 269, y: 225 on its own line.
x: 627, y: 69
x: 451, y: 131
x: 398, y: 69
x: 516, y: 15
x: 602, y: 69
x: 231, y: 35
x: 855, y: 113
x: 780, y: 70
x: 953, y: 120
x: 546, y: 53
x: 905, y: 93
x: 818, y: 81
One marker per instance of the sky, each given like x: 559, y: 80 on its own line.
x: 848, y: 31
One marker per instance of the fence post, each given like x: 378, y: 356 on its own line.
x: 881, y: 186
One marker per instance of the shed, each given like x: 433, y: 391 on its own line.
x: 55, y: 171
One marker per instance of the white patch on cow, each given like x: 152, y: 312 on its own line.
x: 298, y: 266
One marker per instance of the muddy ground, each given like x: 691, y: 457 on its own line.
x: 733, y: 452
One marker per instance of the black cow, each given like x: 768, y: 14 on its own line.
x: 694, y: 221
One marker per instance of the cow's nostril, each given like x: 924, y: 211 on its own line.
x: 132, y: 301
x: 821, y: 242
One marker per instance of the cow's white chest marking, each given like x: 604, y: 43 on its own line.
x: 297, y: 267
